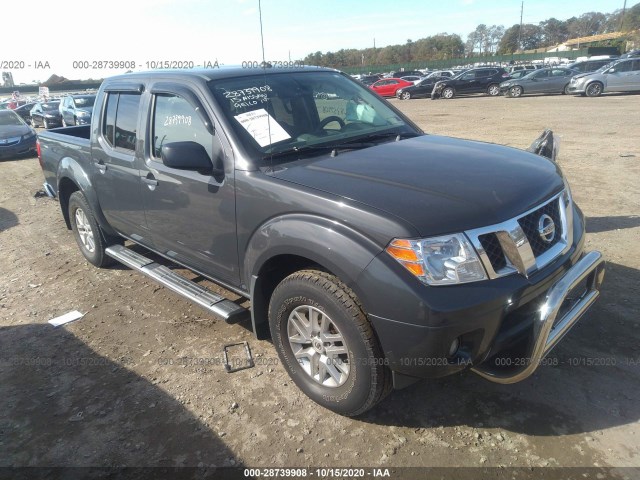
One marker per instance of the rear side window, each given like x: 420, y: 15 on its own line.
x: 636, y: 65
x: 623, y: 67
x: 121, y: 119
x: 175, y: 120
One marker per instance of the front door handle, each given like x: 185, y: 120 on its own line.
x: 152, y: 182
x: 101, y: 166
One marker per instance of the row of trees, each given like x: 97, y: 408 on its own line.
x: 484, y: 40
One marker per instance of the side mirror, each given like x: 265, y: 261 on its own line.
x: 546, y: 145
x: 188, y: 156
x: 611, y: 70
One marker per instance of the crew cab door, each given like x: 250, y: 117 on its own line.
x: 116, y: 155
x: 190, y: 212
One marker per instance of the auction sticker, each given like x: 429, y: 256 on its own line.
x: 262, y: 127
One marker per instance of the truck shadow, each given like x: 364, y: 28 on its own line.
x: 8, y: 219
x: 605, y: 224
x: 591, y: 380
x: 63, y: 404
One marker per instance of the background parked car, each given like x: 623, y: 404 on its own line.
x: 545, y: 80
x: 586, y: 66
x: 24, y: 111
x: 387, y: 87
x: 76, y: 109
x: 621, y: 76
x: 46, y: 114
x: 518, y: 68
x: 412, y: 78
x: 631, y: 54
x: 476, y: 80
x: 369, y: 80
x: 406, y: 73
x: 520, y: 73
x: 16, y: 137
x: 423, y: 88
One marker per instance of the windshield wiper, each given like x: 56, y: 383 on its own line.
x: 398, y: 136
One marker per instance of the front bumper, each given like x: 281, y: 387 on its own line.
x: 418, y: 328
x: 577, y: 88
x: 20, y: 148
x: 548, y: 329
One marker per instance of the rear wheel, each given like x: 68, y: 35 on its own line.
x: 90, y: 238
x: 326, y: 343
x: 515, y: 91
x: 448, y: 92
x: 493, y: 89
x: 594, y: 89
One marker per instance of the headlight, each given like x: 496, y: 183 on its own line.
x: 29, y: 135
x: 445, y: 260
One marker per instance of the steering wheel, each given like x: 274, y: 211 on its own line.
x: 326, y: 121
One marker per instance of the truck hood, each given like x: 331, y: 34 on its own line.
x: 437, y: 184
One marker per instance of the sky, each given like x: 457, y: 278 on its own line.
x: 206, y: 31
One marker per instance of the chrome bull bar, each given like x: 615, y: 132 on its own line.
x: 547, y: 332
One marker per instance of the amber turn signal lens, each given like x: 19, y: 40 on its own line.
x: 414, y: 268
x: 403, y: 254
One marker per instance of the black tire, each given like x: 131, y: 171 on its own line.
x: 75, y: 121
x: 594, y: 89
x: 97, y: 256
x: 368, y: 380
x: 565, y: 90
x: 405, y: 96
x: 493, y: 90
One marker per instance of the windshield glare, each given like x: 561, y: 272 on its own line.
x: 83, y: 102
x: 287, y: 112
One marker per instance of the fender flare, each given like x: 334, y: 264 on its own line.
x: 341, y: 250
x: 70, y: 168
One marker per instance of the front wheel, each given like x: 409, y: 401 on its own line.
x: 515, y: 91
x: 493, y: 89
x: 91, y: 240
x: 326, y: 343
x: 405, y: 96
x: 565, y: 90
x: 448, y: 93
x: 594, y: 89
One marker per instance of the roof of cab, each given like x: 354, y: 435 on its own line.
x: 216, y: 73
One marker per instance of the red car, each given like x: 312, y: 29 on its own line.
x: 387, y: 87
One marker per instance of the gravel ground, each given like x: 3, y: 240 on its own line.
x: 138, y: 380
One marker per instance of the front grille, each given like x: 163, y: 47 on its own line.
x: 493, y: 249
x: 517, y: 245
x: 529, y: 224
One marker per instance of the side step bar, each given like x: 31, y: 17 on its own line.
x: 230, y: 311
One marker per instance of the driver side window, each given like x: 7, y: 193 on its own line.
x: 175, y: 120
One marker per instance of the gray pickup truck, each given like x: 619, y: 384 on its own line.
x: 372, y: 254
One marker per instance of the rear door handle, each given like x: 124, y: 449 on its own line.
x: 101, y: 166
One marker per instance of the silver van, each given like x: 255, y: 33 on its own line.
x: 620, y: 76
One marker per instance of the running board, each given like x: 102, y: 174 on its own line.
x: 223, y: 307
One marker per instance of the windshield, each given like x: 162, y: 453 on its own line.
x: 9, y: 118
x: 83, y: 102
x: 285, y: 112
x: 50, y: 107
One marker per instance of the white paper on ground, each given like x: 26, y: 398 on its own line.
x: 66, y: 318
x: 262, y: 127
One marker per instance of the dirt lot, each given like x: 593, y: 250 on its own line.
x: 114, y: 388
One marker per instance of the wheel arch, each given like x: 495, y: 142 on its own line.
x: 72, y: 178
x: 287, y: 244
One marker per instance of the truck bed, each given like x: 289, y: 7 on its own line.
x: 66, y: 144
